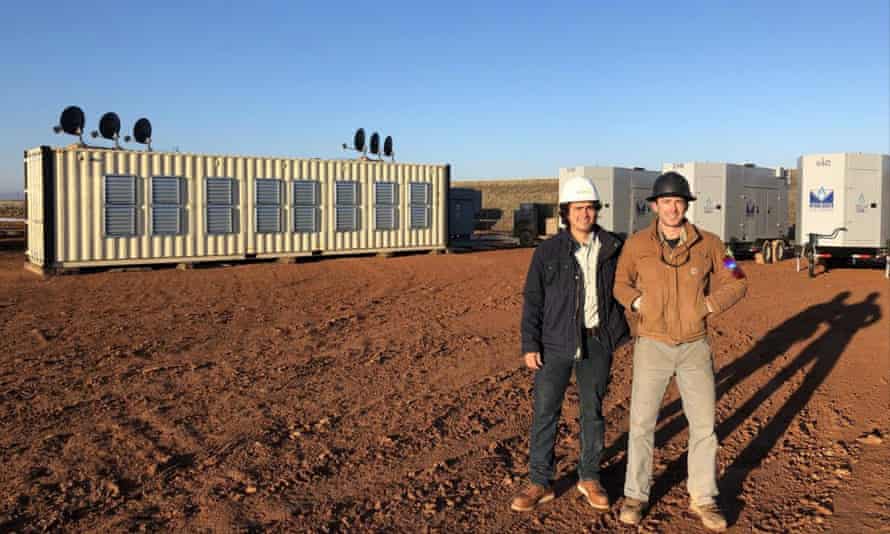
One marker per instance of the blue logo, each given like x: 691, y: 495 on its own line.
x: 822, y: 198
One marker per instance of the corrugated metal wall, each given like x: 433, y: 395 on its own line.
x: 34, y: 184
x: 80, y: 239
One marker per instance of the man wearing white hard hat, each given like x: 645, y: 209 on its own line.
x: 570, y: 322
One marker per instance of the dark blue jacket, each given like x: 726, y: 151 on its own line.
x: 553, y: 310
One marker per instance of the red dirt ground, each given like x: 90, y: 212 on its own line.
x: 385, y: 394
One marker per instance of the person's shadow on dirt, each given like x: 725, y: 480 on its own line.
x: 823, y: 353
x: 842, y: 320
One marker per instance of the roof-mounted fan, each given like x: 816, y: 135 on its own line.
x: 141, y: 133
x: 109, y: 128
x: 71, y: 122
x: 358, y: 141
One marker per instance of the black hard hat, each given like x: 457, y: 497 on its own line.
x: 671, y: 184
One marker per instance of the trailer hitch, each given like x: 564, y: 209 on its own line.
x: 812, y: 254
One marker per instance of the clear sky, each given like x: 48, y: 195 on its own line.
x: 497, y: 89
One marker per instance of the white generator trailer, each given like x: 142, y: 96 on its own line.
x: 623, y: 193
x: 746, y: 206
x: 844, y: 213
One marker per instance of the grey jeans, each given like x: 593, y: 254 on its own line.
x: 654, y: 364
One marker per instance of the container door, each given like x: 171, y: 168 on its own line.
x: 461, y: 220
x: 762, y: 214
x: 861, y: 208
x: 749, y: 213
x: 708, y: 207
x: 641, y: 213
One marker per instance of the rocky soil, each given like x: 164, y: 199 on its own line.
x: 385, y: 394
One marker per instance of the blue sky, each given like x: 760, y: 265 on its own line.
x: 497, y: 89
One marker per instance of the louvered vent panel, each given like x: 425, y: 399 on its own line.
x: 305, y: 193
x: 420, y: 217
x: 120, y: 190
x: 220, y: 191
x: 420, y: 193
x: 346, y: 219
x: 386, y: 217
x: 165, y: 190
x: 268, y: 219
x: 166, y: 220
x: 120, y: 221
x: 219, y: 220
x: 386, y: 193
x: 346, y: 193
x: 268, y: 192
x: 306, y: 219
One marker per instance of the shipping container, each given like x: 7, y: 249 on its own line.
x: 746, y: 206
x: 101, y: 207
x: 844, y: 207
x: 622, y: 192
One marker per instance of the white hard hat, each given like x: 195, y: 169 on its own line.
x: 578, y: 189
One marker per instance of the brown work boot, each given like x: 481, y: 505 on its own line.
x: 631, y: 511
x: 710, y: 515
x: 531, y: 496
x: 595, y: 494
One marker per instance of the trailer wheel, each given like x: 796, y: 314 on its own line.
x: 766, y: 249
x: 811, y: 260
x: 779, y: 254
x: 526, y: 239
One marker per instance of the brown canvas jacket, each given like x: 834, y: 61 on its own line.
x: 676, y: 285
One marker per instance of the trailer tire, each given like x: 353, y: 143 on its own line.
x: 779, y: 253
x: 526, y: 239
x: 766, y: 249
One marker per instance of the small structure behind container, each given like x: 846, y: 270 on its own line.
x: 464, y: 204
x: 844, y: 208
x: 622, y: 194
x: 530, y: 222
x: 744, y: 205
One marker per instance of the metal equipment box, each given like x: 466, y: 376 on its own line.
x: 622, y: 194
x: 463, y: 206
x: 744, y: 205
x: 849, y: 191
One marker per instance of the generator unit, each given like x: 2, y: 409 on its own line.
x: 530, y: 222
x: 746, y: 206
x: 622, y: 194
x: 844, y: 212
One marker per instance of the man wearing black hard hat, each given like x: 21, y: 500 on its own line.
x: 672, y: 276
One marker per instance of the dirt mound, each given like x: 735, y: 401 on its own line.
x: 12, y: 209
x: 386, y: 394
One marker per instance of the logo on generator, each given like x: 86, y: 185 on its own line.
x: 709, y: 205
x: 822, y: 198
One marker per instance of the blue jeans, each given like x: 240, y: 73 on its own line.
x: 592, y: 376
